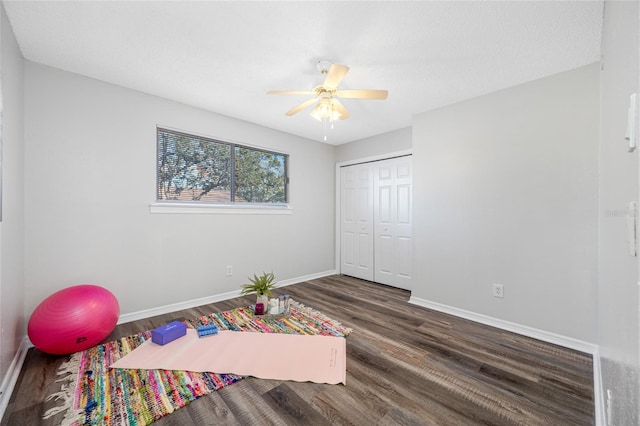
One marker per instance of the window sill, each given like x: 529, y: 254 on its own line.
x: 187, y: 208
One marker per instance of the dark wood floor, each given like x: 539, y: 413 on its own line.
x: 406, y: 365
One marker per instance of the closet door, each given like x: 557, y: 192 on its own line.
x: 356, y: 221
x: 393, y: 222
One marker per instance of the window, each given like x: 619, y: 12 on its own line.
x: 196, y: 169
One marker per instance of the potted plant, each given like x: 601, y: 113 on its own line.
x: 262, y: 286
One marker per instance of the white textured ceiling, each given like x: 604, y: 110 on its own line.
x: 223, y: 56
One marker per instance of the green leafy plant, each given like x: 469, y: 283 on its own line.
x: 262, y: 285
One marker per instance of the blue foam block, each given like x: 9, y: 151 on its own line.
x: 207, y: 330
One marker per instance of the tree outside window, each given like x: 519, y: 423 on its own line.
x: 196, y: 169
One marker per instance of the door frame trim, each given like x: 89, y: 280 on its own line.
x: 381, y: 157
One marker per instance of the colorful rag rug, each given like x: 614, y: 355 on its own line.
x: 94, y: 394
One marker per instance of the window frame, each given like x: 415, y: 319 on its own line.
x: 226, y: 207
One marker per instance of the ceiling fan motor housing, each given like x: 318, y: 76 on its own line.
x: 324, y: 66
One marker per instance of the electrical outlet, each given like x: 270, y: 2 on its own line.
x: 498, y: 291
x: 229, y: 270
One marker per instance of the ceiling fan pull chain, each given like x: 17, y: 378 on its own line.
x: 325, y: 129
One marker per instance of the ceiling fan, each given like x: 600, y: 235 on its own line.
x: 326, y: 95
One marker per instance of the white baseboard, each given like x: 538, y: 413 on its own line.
x: 161, y: 310
x: 545, y: 336
x: 11, y: 377
x: 598, y: 395
x: 556, y: 339
x: 304, y: 278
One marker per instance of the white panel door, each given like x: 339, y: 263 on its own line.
x: 404, y: 222
x: 393, y: 222
x: 356, y: 222
x: 384, y: 199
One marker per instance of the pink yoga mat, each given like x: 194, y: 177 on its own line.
x: 302, y: 358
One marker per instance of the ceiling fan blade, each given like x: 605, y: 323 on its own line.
x: 344, y: 114
x: 300, y: 107
x: 334, y: 76
x: 291, y: 92
x: 362, y: 94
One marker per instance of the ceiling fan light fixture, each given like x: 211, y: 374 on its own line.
x: 325, y: 110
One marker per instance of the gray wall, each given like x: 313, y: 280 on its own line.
x: 505, y: 191
x: 618, y: 329
x: 12, y: 225
x: 398, y: 140
x: 90, y: 152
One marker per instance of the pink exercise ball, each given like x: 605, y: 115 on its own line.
x: 73, y: 319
